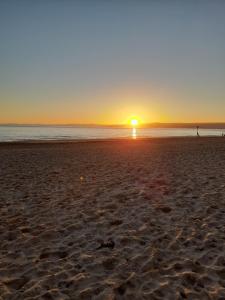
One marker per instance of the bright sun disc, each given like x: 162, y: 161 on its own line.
x: 134, y: 122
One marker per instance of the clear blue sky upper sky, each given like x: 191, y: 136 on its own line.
x: 103, y: 61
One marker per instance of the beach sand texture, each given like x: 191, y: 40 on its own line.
x: 138, y: 219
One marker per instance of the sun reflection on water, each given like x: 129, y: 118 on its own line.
x: 134, y: 133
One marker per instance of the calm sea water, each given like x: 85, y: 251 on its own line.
x: 24, y: 133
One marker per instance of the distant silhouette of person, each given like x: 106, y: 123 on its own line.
x: 197, y: 127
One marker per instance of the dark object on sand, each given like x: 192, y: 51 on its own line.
x: 197, y: 127
x: 165, y: 209
x: 109, y: 244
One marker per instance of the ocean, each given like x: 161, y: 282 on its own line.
x: 27, y: 133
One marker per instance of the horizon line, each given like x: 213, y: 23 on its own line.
x: 218, y: 125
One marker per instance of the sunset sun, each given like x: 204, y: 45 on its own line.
x: 134, y: 122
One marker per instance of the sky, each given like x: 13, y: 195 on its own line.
x: 102, y: 61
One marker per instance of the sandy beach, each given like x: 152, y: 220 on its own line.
x: 128, y: 219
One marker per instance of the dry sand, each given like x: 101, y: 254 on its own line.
x: 113, y: 220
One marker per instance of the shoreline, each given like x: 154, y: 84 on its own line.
x: 93, y: 140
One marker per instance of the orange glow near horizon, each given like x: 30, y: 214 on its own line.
x: 119, y: 106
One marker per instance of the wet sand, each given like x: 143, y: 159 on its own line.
x: 113, y: 219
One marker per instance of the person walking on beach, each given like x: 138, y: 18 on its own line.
x: 197, y: 127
